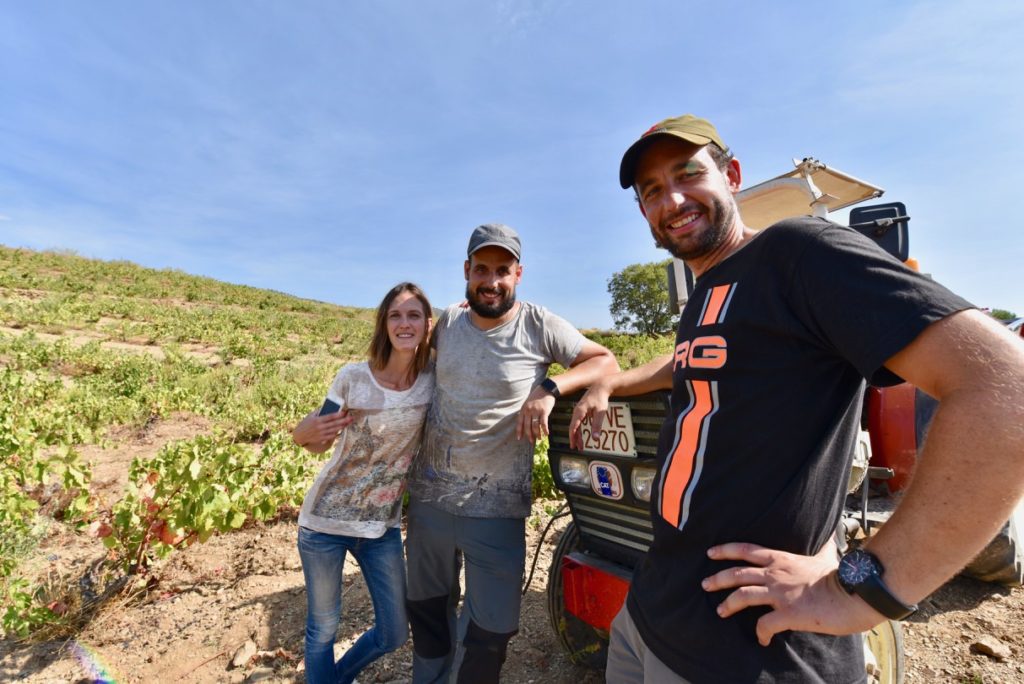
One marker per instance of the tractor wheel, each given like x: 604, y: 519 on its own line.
x: 585, y: 645
x: 883, y: 653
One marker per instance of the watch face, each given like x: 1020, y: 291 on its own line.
x: 550, y: 387
x: 856, y: 566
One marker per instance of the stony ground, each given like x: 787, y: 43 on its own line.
x: 242, y: 594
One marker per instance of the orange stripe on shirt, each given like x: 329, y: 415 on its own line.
x: 716, y: 299
x: 680, y: 469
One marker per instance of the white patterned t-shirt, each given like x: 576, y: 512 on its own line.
x: 359, y: 491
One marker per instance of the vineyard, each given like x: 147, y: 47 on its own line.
x: 87, y: 347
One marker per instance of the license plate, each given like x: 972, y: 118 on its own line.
x: 616, y: 436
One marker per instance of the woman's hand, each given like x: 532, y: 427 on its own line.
x: 317, y: 433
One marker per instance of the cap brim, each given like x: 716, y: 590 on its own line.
x: 627, y: 169
x: 494, y: 244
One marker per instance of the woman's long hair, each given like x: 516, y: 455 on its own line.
x: 380, y: 344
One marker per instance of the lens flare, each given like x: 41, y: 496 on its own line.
x: 91, y: 663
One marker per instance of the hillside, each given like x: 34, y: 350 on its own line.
x: 99, y: 358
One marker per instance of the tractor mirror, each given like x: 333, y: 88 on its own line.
x: 886, y: 224
x: 680, y: 285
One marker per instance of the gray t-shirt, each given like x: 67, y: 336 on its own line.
x: 358, y: 493
x: 471, y: 463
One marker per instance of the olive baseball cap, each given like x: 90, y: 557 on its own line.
x: 494, y: 235
x: 688, y: 127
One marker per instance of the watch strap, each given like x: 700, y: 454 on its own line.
x: 877, y: 595
x: 549, y: 386
x: 873, y: 590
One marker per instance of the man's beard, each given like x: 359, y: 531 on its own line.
x: 709, y: 240
x: 496, y: 310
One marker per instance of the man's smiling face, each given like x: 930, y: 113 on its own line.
x: 492, y: 274
x: 686, y: 198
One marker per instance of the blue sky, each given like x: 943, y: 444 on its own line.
x: 331, y: 149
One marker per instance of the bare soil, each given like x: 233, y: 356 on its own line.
x: 247, y: 586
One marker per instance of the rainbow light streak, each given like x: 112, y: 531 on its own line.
x: 91, y: 663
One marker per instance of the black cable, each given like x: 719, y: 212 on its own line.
x: 536, y: 553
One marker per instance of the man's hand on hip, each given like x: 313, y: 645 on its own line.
x: 802, y: 591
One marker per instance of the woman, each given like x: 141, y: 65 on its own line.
x: 356, y: 501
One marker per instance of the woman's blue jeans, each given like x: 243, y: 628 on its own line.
x: 383, y: 568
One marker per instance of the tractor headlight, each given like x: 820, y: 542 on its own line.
x: 574, y: 472
x: 642, y: 480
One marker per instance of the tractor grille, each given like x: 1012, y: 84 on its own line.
x: 613, y: 522
x: 621, y: 530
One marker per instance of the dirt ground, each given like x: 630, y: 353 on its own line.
x: 213, y: 598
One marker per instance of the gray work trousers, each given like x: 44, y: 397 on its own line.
x: 471, y: 648
x: 629, y: 659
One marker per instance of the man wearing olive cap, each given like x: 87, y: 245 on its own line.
x: 777, y: 338
x: 470, y: 489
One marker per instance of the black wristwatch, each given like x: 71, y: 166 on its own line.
x: 860, y: 572
x: 550, y: 387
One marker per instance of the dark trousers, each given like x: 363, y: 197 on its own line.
x: 475, y: 643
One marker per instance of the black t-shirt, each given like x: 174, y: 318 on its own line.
x: 771, y: 355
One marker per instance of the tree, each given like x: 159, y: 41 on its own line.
x: 1002, y: 315
x: 640, y: 298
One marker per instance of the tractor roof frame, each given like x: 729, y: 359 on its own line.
x: 810, y: 189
